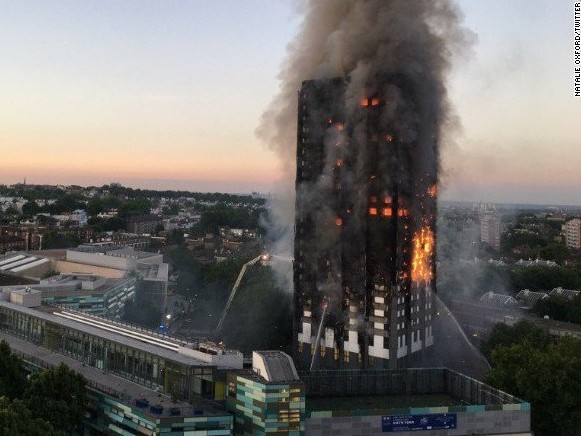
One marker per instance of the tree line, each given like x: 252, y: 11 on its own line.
x: 543, y: 371
x: 46, y: 403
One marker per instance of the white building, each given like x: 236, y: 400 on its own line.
x: 572, y: 230
x: 490, y: 230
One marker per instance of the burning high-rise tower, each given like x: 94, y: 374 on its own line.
x: 364, y: 271
x: 367, y: 160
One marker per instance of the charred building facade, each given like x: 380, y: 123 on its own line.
x: 364, y: 269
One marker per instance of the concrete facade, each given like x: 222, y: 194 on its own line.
x: 572, y: 230
x: 490, y: 231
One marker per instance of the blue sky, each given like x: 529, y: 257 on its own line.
x: 168, y: 94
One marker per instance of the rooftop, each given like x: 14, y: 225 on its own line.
x: 124, y: 390
x: 380, y: 402
x: 274, y: 366
x: 19, y: 262
x: 402, y: 391
x: 111, y: 249
x: 569, y: 294
x: 495, y: 299
x: 148, y: 341
x: 529, y: 298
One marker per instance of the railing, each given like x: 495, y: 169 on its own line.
x: 153, y: 409
x: 404, y: 382
x: 136, y: 327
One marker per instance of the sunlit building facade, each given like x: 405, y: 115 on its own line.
x: 572, y: 230
x: 491, y: 230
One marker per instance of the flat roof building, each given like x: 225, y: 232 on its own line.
x: 411, y: 402
x: 184, y: 369
x: 145, y: 383
x: 572, y: 231
x: 491, y: 230
x: 270, y: 398
x: 85, y: 292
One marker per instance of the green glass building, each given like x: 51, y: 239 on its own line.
x: 268, y: 399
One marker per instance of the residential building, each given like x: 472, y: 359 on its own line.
x: 491, y: 231
x: 364, y: 272
x: 572, y: 230
x: 143, y: 224
x: 11, y: 243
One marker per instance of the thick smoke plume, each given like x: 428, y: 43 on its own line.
x: 371, y: 42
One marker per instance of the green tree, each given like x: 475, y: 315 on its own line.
x: 260, y: 317
x: 560, y: 309
x: 504, y: 335
x: 58, y: 396
x: 12, y: 376
x: 555, y: 251
x: 30, y: 208
x: 17, y: 419
x: 67, y: 203
x: 140, y: 206
x: 95, y: 206
x: 549, y: 378
x: 171, y: 210
x: 540, y: 278
x: 56, y: 239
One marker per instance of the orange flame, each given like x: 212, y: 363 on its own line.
x: 433, y: 191
x: 423, y: 255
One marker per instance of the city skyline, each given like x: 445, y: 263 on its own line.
x: 167, y: 95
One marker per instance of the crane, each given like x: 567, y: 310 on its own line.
x: 235, y: 288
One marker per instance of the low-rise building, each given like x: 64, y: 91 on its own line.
x: 270, y: 398
x: 528, y: 299
x: 143, y: 382
x: 88, y: 293
x: 141, y: 224
x: 411, y: 402
x: 11, y: 243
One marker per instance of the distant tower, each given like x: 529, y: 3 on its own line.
x: 364, y: 270
x: 572, y: 231
x: 491, y: 231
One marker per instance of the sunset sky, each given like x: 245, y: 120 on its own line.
x: 167, y: 94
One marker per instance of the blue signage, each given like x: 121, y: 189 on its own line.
x: 437, y: 421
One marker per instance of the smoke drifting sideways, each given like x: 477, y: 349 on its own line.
x: 370, y: 42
